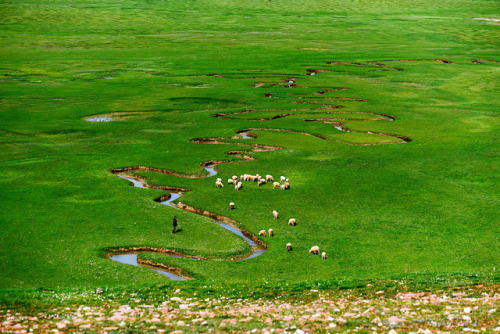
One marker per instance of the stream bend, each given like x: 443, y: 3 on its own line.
x: 129, y: 256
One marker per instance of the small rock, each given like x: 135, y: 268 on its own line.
x: 395, y: 319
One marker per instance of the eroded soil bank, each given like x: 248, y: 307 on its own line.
x: 129, y: 255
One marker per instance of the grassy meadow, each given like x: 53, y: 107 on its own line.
x: 380, y: 206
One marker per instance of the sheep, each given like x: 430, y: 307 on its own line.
x: 219, y: 179
x: 271, y: 234
x: 262, y: 233
x: 234, y: 177
x: 219, y: 184
x: 286, y: 185
x: 282, y: 178
x: 251, y: 178
x: 323, y: 256
x: 275, y: 214
x: 292, y: 222
x: 231, y: 205
x: 289, y: 247
x: 230, y: 181
x: 276, y: 185
x: 269, y: 178
x: 261, y: 182
x: 238, y: 186
x: 314, y: 250
x: 282, y: 187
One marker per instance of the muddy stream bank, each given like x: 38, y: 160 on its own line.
x: 130, y: 256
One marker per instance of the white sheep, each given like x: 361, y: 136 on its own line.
x: 314, y: 250
x: 238, y: 186
x: 323, y: 256
x: 219, y: 179
x: 275, y: 214
x: 282, y: 178
x: 287, y: 185
x: 269, y: 178
x: 230, y: 181
x: 289, y: 246
x: 271, y: 234
x: 261, y: 182
x: 282, y: 187
x: 231, y: 205
x: 262, y: 233
x: 276, y: 185
x: 235, y: 177
x: 292, y: 222
x: 251, y: 178
x: 219, y: 184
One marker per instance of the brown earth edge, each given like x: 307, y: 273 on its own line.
x: 240, y: 154
x: 233, y: 223
x: 138, y: 249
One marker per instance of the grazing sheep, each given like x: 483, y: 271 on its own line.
x: 282, y: 187
x: 275, y: 214
x: 276, y: 185
x: 282, y: 178
x: 287, y: 185
x: 269, y: 178
x: 271, y: 234
x: 231, y: 205
x: 234, y: 178
x: 262, y: 233
x: 323, y: 256
x: 314, y: 250
x: 238, y: 186
x: 230, y: 181
x: 252, y: 178
x: 261, y: 182
x: 219, y: 184
x: 292, y: 222
x: 289, y: 247
x: 219, y: 179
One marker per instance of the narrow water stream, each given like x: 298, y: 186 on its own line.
x: 131, y: 258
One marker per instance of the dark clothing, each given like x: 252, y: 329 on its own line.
x: 175, y: 224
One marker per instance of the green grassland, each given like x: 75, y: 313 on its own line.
x: 379, y: 206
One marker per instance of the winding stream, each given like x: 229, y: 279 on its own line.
x: 131, y: 257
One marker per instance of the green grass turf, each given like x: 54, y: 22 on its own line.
x: 429, y: 206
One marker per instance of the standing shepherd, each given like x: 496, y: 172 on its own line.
x: 175, y: 224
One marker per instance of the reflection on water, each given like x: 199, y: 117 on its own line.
x: 131, y: 258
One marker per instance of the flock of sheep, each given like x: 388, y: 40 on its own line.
x: 269, y: 178
x: 238, y: 185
